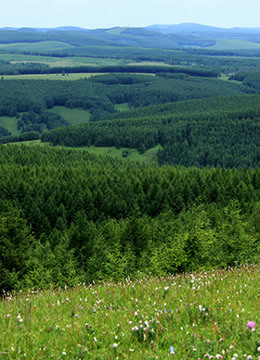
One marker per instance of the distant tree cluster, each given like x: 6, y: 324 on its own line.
x: 31, y: 100
x: 249, y: 78
x: 221, y: 132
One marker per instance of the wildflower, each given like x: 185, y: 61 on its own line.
x: 115, y: 345
x: 218, y: 356
x: 135, y: 328
x: 249, y: 357
x: 172, y: 350
x: 251, y: 324
x: 95, y: 339
x: 64, y: 352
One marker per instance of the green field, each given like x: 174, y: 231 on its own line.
x: 10, y: 124
x: 56, y: 61
x: 122, y: 107
x: 69, y: 76
x: 208, y: 315
x: 128, y: 154
x: 73, y: 116
x: 76, y: 76
x: 149, y: 157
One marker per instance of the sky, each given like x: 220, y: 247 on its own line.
x: 110, y: 13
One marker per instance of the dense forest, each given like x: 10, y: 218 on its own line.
x: 68, y: 216
x: 30, y: 100
x: 224, y: 132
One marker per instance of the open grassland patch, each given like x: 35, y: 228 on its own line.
x: 211, y: 315
x: 63, y: 76
x: 10, y: 124
x: 150, y: 156
x: 122, y: 107
x: 73, y: 116
x: 29, y: 142
x: 60, y: 61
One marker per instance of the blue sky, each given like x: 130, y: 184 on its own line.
x: 109, y: 13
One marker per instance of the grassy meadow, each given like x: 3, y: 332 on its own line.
x: 72, y: 76
x: 148, y: 157
x: 122, y: 107
x: 206, y: 315
x: 53, y: 61
x: 73, y: 116
x: 10, y: 124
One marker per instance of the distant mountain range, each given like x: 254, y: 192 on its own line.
x: 195, y: 29
x: 154, y: 36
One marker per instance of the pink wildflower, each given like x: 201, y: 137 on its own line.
x: 251, y: 324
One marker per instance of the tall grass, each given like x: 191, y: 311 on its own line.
x: 208, y: 315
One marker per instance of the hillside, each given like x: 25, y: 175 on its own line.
x: 220, y: 131
x: 185, y: 316
x: 154, y: 36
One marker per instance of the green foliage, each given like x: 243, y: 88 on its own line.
x: 78, y: 217
x: 169, y: 257
x: 4, y: 132
x: 249, y: 78
x: 15, y: 243
x: 193, y: 133
x: 235, y: 240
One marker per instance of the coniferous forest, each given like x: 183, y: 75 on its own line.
x: 69, y: 215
